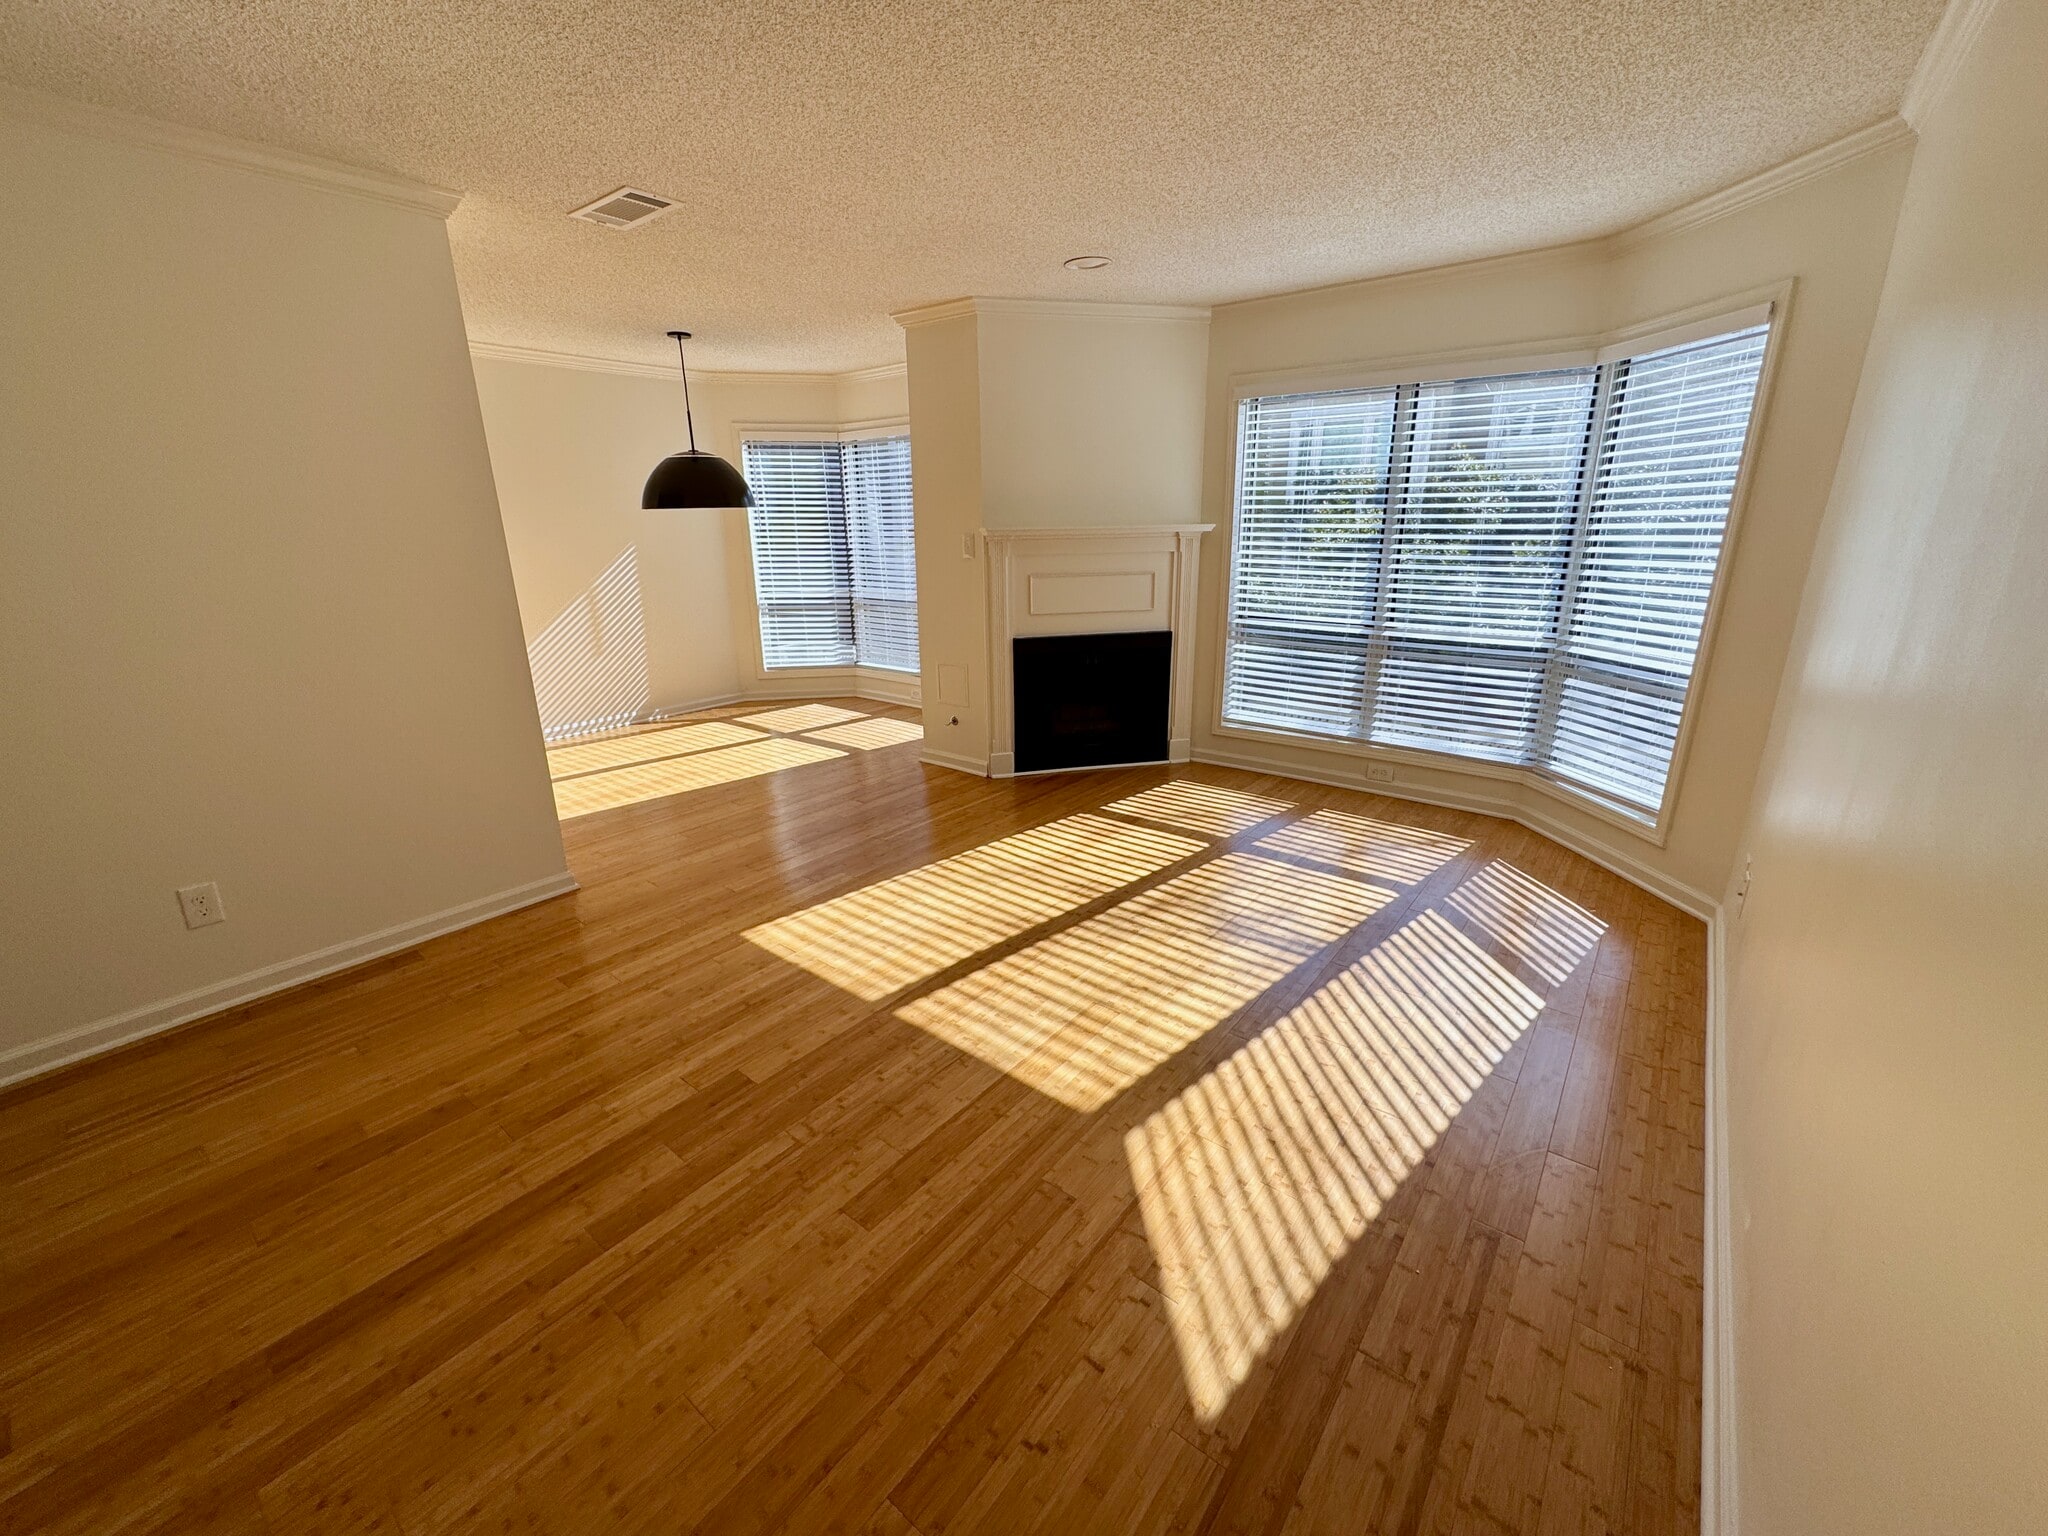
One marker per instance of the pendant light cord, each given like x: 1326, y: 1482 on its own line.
x: 688, y: 420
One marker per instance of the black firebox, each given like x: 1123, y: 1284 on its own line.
x: 1088, y: 701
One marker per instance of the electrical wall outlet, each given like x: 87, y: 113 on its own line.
x: 1380, y: 773
x: 201, y: 905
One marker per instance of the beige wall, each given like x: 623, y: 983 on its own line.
x: 256, y: 622
x: 1830, y: 235
x: 873, y: 394
x: 625, y: 612
x: 1090, y: 420
x: 628, y: 612
x: 1888, y: 1023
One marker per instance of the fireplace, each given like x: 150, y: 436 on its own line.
x: 1091, y: 701
x: 1090, y: 645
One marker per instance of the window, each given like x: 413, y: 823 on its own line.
x: 835, y: 577
x: 1514, y: 569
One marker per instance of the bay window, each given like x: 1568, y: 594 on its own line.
x: 1513, y: 568
x: 835, y: 574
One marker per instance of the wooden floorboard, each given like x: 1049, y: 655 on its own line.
x: 869, y: 1148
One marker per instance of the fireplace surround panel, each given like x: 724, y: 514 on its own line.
x: 1126, y: 595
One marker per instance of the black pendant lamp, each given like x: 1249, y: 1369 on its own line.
x: 693, y: 478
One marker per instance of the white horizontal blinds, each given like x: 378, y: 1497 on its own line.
x: 1488, y: 471
x: 881, y: 539
x: 1311, y: 513
x: 803, y: 571
x: 1513, y: 568
x: 1670, y: 449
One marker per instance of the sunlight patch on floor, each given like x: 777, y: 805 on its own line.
x: 1359, y: 845
x: 1086, y: 1012
x: 1258, y: 1178
x: 876, y: 941
x: 674, y: 776
x: 1552, y: 933
x: 866, y: 735
x: 1205, y: 808
x: 802, y: 717
x: 645, y: 747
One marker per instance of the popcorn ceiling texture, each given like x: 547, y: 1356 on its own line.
x: 841, y: 160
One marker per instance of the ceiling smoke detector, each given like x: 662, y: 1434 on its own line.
x: 1085, y: 263
x: 627, y: 208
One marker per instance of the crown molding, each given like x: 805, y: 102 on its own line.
x: 1954, y: 35
x: 1716, y: 205
x: 741, y: 376
x: 45, y: 110
x: 1077, y: 309
x: 871, y: 375
x: 1879, y: 136
x: 508, y: 352
x: 1083, y: 310
x: 1534, y: 257
x: 932, y: 314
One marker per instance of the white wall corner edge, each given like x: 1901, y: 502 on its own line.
x: 103, y: 1035
x: 1718, y: 1489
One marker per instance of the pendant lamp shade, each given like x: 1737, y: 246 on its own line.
x: 693, y: 478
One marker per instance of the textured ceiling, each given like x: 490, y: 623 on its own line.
x: 841, y: 160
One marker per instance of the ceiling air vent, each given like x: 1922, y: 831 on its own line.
x: 623, y: 209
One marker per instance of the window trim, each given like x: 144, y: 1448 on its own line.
x: 898, y: 686
x: 1772, y: 302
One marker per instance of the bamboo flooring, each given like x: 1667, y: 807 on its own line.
x: 875, y: 1149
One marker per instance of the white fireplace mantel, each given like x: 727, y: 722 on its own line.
x: 1083, y: 581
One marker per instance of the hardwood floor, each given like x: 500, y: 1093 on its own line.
x: 871, y: 1148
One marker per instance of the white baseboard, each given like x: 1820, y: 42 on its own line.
x: 40, y: 1056
x: 878, y: 684
x: 957, y: 761
x: 1694, y: 903
x: 1717, y: 1301
x: 670, y: 711
x: 852, y: 682
x: 563, y: 735
x: 1614, y: 860
x: 890, y: 687
x: 1457, y: 800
